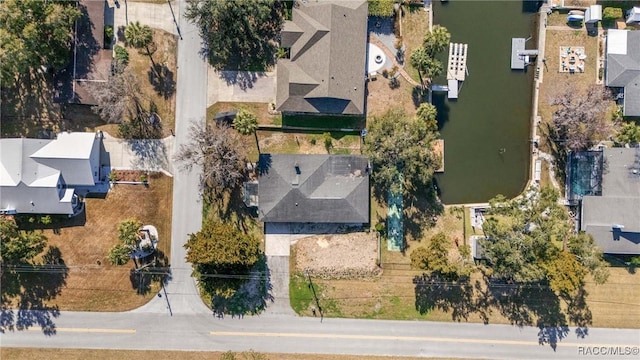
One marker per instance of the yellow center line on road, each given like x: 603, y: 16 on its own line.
x: 86, y: 330
x: 406, y: 338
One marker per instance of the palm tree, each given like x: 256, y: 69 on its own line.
x: 140, y: 36
x: 419, y: 59
x: 246, y: 123
x: 436, y: 40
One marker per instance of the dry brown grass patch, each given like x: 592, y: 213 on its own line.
x: 415, y: 23
x: 555, y: 81
x: 92, y: 283
x: 164, y: 55
x: 81, y: 354
x: 381, y: 97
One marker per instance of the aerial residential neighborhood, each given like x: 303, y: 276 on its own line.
x: 319, y: 179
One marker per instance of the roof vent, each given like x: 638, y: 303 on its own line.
x: 296, y: 179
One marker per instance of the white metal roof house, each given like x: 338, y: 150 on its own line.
x: 623, y: 67
x: 38, y: 176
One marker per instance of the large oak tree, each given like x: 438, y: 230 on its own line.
x: 34, y: 33
x: 399, y: 146
x: 239, y: 34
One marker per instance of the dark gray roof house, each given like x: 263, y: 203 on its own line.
x: 313, y: 188
x: 326, y: 69
x: 623, y: 67
x: 613, y: 219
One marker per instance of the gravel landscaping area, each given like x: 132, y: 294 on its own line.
x: 341, y: 256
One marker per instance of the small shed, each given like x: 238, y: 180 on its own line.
x: 593, y: 14
x: 633, y: 15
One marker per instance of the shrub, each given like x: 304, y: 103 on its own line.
x: 113, y: 176
x: 313, y: 140
x: 382, y: 8
x: 465, y: 251
x: 328, y: 140
x: 119, y: 254
x: 610, y: 14
x: 394, y: 83
x: 398, y: 43
x: 45, y: 220
x: 143, y: 178
x: 419, y: 258
x: 121, y: 55
x: 108, y: 35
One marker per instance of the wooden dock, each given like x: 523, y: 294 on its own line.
x: 520, y: 56
x: 457, y: 64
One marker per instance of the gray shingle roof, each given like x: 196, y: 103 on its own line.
x: 623, y: 70
x: 618, y: 205
x: 313, y: 188
x: 326, y: 69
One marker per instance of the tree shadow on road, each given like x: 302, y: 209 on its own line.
x: 27, y: 290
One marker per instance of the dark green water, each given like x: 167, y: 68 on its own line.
x: 493, y: 110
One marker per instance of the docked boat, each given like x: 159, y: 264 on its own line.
x: 575, y: 17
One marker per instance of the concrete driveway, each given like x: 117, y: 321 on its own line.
x: 241, y: 86
x: 158, y: 16
x: 277, y: 247
x: 149, y: 155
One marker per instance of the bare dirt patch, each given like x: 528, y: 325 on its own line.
x: 381, y: 97
x: 352, y: 255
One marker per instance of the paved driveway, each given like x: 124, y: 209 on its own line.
x: 149, y: 155
x: 241, y: 86
x: 157, y: 16
x: 277, y: 248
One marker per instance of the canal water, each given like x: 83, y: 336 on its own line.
x: 487, y: 129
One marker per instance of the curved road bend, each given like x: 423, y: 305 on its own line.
x: 181, y: 296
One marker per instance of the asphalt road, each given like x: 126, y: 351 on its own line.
x: 180, y: 295
x: 178, y: 320
x: 309, y: 335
